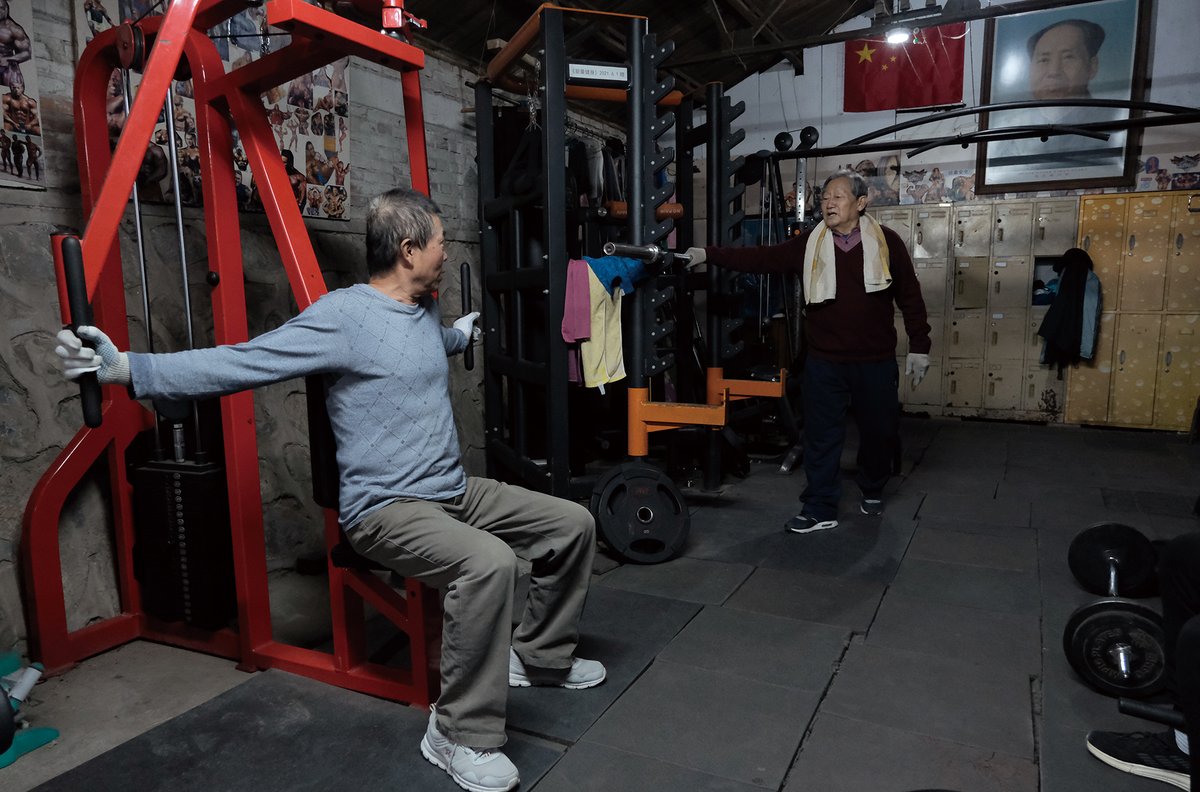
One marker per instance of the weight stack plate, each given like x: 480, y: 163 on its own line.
x: 183, y: 548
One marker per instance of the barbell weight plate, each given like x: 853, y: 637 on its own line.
x: 1094, y: 637
x: 1136, y: 558
x: 640, y: 513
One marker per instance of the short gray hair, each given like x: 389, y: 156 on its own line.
x: 858, y: 184
x: 393, y: 217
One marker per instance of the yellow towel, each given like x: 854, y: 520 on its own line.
x: 820, y: 274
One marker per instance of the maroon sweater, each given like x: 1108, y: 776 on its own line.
x: 854, y: 326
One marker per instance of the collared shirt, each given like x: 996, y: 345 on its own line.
x: 847, y: 242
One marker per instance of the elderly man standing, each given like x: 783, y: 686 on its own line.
x: 405, y: 500
x: 855, y: 273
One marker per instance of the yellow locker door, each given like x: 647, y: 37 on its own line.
x: 1183, y: 256
x: 1135, y: 368
x: 1178, y: 373
x: 1144, y: 274
x: 1088, y: 383
x: 1102, y: 235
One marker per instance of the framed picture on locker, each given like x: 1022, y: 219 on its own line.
x: 1062, y: 65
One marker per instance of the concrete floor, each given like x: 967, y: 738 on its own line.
x: 918, y: 650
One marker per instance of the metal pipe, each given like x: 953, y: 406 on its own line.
x: 173, y: 159
x: 127, y: 85
x: 636, y: 187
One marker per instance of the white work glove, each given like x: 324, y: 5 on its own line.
x: 697, y: 256
x: 110, y: 364
x: 466, y: 325
x: 916, y: 365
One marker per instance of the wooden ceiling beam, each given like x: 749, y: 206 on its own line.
x: 761, y: 21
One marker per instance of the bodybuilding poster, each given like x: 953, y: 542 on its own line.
x: 22, y: 162
x: 310, y: 116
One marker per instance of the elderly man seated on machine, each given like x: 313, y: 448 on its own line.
x: 405, y: 500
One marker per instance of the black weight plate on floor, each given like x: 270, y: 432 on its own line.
x: 8, y: 723
x: 1137, y: 560
x: 1096, y: 629
x: 640, y: 513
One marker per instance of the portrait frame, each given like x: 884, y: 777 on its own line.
x: 1062, y: 162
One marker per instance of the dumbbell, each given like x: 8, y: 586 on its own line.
x: 1116, y: 645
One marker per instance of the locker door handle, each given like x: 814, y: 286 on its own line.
x: 1121, y: 357
x: 1087, y: 240
x: 1132, y: 242
x: 1167, y: 359
x: 961, y: 236
x: 1041, y: 232
x: 997, y: 287
x: 954, y: 386
x: 1000, y: 233
x: 920, y: 236
x: 1178, y: 244
x: 991, y: 389
x: 961, y: 285
x: 995, y: 339
x: 955, y: 335
x: 1031, y: 386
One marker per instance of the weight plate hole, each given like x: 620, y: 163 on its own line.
x: 645, y: 514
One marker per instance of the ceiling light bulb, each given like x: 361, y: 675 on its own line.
x: 898, y: 35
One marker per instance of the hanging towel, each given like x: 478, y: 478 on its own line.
x: 577, y: 317
x: 603, y: 359
x: 820, y: 273
x: 1071, y: 322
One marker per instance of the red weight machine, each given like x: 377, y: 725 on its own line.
x: 224, y: 100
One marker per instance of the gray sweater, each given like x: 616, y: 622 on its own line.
x: 388, y: 386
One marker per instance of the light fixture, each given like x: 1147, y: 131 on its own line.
x: 898, y: 35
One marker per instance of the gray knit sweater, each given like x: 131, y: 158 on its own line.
x: 388, y: 386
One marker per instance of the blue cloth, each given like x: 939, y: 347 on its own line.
x: 614, y: 271
x: 1092, y: 304
x: 388, y: 390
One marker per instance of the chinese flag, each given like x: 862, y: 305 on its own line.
x: 925, y: 72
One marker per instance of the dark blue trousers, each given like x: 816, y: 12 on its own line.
x: 829, y: 390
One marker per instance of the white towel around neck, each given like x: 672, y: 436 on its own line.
x: 820, y: 273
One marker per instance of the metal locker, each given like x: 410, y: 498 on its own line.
x: 937, y: 337
x: 964, y: 334
x: 1013, y: 229
x: 1088, y: 383
x: 1006, y: 335
x: 1043, y: 391
x: 1135, y: 368
x: 931, y: 274
x: 1178, y: 373
x: 972, y: 230
x: 963, y: 383
x: 928, y: 393
x: 1033, y: 341
x: 1009, y: 285
x: 1102, y: 235
x: 1002, y: 386
x: 1144, y: 273
x: 970, y: 282
x: 1183, y: 256
x: 931, y: 232
x: 1054, y: 226
x: 899, y: 219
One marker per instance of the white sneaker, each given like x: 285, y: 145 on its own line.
x: 486, y: 770
x: 582, y: 674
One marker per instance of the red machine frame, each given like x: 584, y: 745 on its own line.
x: 318, y: 37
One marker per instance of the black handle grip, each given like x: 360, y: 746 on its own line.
x: 1155, y: 713
x: 81, y: 314
x: 464, y: 276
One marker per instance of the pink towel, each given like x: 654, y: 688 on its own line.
x: 576, y: 323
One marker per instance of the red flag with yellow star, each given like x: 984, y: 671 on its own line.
x: 925, y: 72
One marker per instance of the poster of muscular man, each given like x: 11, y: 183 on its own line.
x: 22, y: 161
x: 310, y: 117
